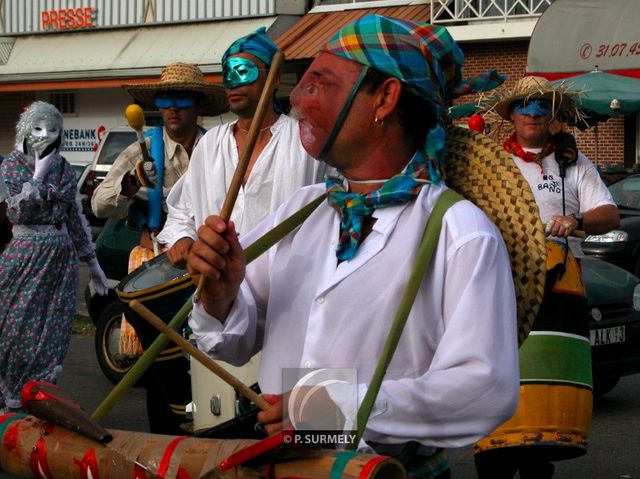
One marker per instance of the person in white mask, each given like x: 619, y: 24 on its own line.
x: 39, y: 266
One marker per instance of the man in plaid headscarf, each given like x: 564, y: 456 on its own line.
x: 371, y: 105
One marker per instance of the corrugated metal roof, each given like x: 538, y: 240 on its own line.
x: 304, y: 39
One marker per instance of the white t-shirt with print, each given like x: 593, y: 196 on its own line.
x: 583, y: 189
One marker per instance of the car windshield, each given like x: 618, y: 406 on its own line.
x: 626, y: 192
x: 114, y: 144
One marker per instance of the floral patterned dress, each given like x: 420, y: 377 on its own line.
x: 38, y: 274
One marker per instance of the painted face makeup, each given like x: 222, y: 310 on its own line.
x: 238, y: 71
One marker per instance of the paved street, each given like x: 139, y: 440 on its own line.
x: 614, y: 441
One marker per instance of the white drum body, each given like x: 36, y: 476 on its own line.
x: 214, y: 401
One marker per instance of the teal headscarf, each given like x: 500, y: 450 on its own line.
x: 257, y: 43
x: 423, y: 56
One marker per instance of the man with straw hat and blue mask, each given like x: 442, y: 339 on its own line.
x: 555, y: 360
x: 371, y: 105
x: 181, y: 95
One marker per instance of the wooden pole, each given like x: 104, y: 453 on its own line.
x: 32, y: 448
x: 205, y: 360
x: 252, y: 136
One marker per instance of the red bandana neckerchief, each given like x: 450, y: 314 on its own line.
x: 513, y: 147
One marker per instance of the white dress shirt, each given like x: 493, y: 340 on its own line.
x: 454, y: 376
x: 282, y: 167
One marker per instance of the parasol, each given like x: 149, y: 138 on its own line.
x: 603, y: 95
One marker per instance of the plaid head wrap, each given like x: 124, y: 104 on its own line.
x: 256, y: 43
x: 423, y: 56
x: 429, y: 64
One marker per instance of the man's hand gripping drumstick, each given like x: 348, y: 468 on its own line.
x: 236, y: 181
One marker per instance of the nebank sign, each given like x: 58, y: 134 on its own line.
x: 83, y: 139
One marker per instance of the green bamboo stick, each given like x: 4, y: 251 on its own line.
x: 143, y: 363
x: 425, y: 251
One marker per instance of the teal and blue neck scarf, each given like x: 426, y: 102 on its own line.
x: 355, y: 207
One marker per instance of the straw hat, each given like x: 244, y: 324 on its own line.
x: 182, y: 76
x: 533, y: 87
x: 478, y: 169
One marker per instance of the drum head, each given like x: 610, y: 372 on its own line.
x: 161, y: 288
x: 151, y: 274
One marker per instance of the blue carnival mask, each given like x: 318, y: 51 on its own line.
x: 533, y: 107
x: 175, y: 100
x: 238, y: 71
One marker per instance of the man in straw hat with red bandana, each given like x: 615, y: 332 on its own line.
x: 371, y: 105
x: 181, y: 95
x: 570, y: 196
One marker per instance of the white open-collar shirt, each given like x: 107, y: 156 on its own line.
x: 282, y: 167
x: 454, y: 376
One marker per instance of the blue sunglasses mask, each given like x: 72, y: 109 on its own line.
x: 173, y: 100
x: 238, y: 71
x: 533, y: 108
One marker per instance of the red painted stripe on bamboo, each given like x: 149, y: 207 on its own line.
x: 10, y: 437
x: 166, y: 456
x: 38, y: 460
x: 370, y: 466
x: 88, y: 465
x: 139, y: 472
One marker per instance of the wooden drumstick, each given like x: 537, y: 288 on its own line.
x: 135, y: 117
x: 243, y: 163
x: 205, y: 360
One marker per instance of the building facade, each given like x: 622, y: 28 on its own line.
x: 77, y: 53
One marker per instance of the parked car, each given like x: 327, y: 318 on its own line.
x: 622, y: 245
x: 614, y: 322
x: 78, y: 169
x: 113, y: 143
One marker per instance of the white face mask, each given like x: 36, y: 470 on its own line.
x: 42, y: 134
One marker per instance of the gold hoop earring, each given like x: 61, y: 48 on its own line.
x: 378, y: 122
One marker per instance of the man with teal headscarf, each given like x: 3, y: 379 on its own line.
x: 371, y: 105
x: 278, y: 167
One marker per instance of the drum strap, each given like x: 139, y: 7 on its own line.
x: 425, y: 252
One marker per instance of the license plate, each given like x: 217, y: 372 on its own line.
x: 601, y: 337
